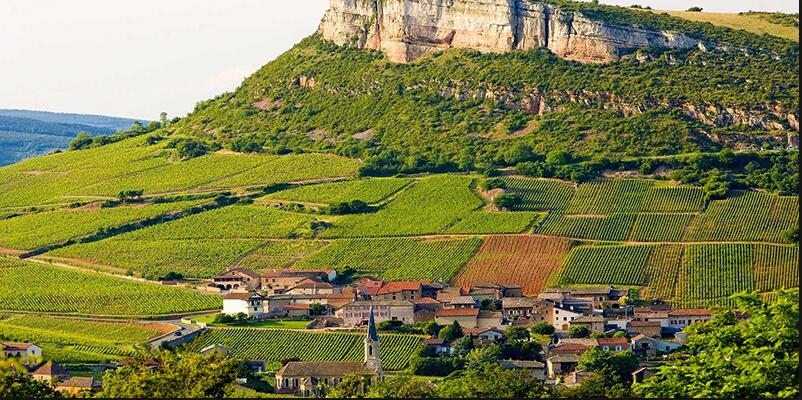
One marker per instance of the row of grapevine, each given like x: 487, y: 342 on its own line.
x: 273, y: 345
x: 742, y: 217
x: 481, y: 222
x: 193, y: 258
x: 660, y: 227
x: 662, y: 271
x: 775, y: 266
x: 679, y: 199
x: 621, y: 265
x: 368, y: 190
x: 528, y: 261
x: 608, y: 196
x: 28, y: 286
x: 280, y: 253
x: 397, y: 259
x: 540, y: 194
x: 614, y: 227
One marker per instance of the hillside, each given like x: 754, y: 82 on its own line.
x: 651, y: 170
x: 755, y: 22
x: 25, y: 133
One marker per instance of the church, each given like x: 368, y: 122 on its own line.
x: 303, y: 378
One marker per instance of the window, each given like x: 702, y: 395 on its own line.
x: 617, y: 348
x: 606, y: 348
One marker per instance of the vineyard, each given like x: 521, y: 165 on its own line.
x: 481, y: 222
x: 662, y: 270
x: 614, y: 227
x: 274, y: 345
x: 193, y: 258
x: 616, y: 265
x: 775, y: 266
x: 682, y: 199
x: 540, y: 194
x: 608, y: 196
x: 430, y: 206
x: 660, y: 227
x: 79, y: 341
x: 31, y: 231
x: 714, y: 272
x: 748, y: 216
x: 368, y: 190
x: 232, y: 222
x: 527, y: 261
x: 280, y: 254
x: 32, y: 287
x: 397, y: 259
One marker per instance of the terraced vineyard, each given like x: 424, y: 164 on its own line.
x: 540, y: 194
x: 290, y: 168
x: 232, y: 222
x: 193, y: 258
x: 711, y: 273
x: 608, y: 196
x: 280, y: 253
x: 430, y: 206
x: 618, y: 265
x: 614, y: 227
x: 682, y: 199
x: 775, y: 266
x: 368, y: 190
x: 31, y: 231
x: 528, y: 261
x: 79, y: 341
x: 660, y: 227
x: 749, y: 216
x: 481, y: 222
x: 397, y: 259
x: 32, y: 287
x: 662, y: 270
x: 273, y: 345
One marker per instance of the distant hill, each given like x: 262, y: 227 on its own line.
x: 25, y: 133
x: 776, y: 24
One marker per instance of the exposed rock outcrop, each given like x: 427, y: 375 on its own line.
x: 407, y: 29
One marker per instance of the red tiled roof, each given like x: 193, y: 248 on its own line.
x: 426, y: 300
x: 643, y: 323
x: 478, y: 331
x: 240, y: 296
x: 15, y: 345
x: 398, y: 286
x: 690, y: 312
x: 433, y: 341
x: 570, y: 347
x: 614, y: 341
x: 291, y: 273
x: 457, y: 312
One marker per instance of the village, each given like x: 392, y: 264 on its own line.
x: 572, y: 321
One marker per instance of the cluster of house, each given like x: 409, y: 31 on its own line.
x: 49, y: 371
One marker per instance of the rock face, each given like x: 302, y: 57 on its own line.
x: 407, y: 29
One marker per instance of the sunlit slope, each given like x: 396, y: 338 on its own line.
x: 746, y: 22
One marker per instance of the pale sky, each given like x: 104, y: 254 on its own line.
x: 135, y: 59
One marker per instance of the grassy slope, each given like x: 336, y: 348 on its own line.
x: 749, y: 23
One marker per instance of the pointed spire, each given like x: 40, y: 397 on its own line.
x: 372, y: 334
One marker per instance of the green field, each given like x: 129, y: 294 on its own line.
x: 368, y: 190
x: 397, y: 259
x: 481, y: 222
x: 132, y: 164
x: 540, y: 194
x: 77, y: 341
x: 662, y: 270
x: 430, y: 206
x: 32, y: 287
x: 31, y: 231
x: 193, y: 258
x: 273, y: 345
x: 746, y: 216
x: 280, y: 254
x: 618, y: 265
x: 614, y: 227
x: 711, y: 273
x: 681, y: 199
x: 233, y: 222
x: 749, y: 23
x: 608, y: 196
x: 659, y: 227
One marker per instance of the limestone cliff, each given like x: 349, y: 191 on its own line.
x: 407, y: 29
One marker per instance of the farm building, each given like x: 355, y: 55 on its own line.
x: 250, y: 304
x: 238, y: 279
x: 357, y: 312
x: 17, y: 349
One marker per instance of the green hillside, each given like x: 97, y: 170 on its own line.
x: 653, y: 172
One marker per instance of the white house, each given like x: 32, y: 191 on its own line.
x: 17, y: 349
x: 250, y: 304
x: 561, y: 317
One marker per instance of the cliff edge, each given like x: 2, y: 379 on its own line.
x: 407, y: 29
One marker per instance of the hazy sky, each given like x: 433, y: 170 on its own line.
x: 138, y: 58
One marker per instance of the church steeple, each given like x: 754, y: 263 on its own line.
x: 372, y: 357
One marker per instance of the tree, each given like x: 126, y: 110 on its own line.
x: 731, y: 358
x: 163, y: 120
x: 507, y: 201
x: 478, y: 357
x: 558, y: 157
x: 607, y: 363
x: 578, y: 331
x: 187, y: 375
x: 462, y: 346
x: 695, y: 9
x: 350, y: 387
x: 451, y: 332
x: 81, y: 141
x: 791, y: 235
x: 130, y: 196
x: 317, y: 309
x: 402, y: 387
x: 492, y: 381
x: 18, y: 385
x: 543, y: 328
x: 431, y: 328
x: 597, y: 386
x: 521, y: 350
x: 516, y: 333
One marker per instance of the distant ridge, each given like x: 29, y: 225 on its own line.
x: 27, y: 133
